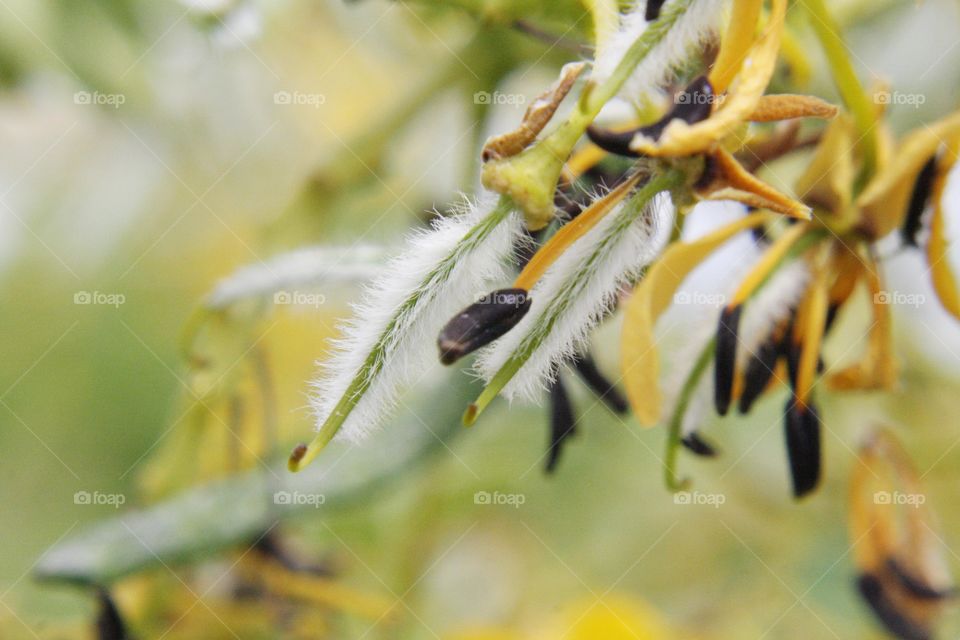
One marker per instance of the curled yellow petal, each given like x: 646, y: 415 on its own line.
x: 731, y: 180
x: 786, y: 106
x: 827, y: 182
x: 640, y: 364
x: 878, y: 367
x: 941, y: 271
x: 895, y: 539
x: 682, y: 139
x: 883, y: 202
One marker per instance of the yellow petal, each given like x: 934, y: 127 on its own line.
x: 938, y: 246
x: 536, y: 117
x: 568, y: 234
x: 767, y: 263
x: 878, y: 368
x: 730, y: 174
x: 786, y: 106
x: 891, y: 520
x: 682, y: 139
x: 884, y: 202
x: 640, y: 363
x: 811, y: 325
x: 735, y: 44
x: 828, y: 181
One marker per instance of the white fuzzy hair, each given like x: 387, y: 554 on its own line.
x: 402, y: 312
x: 577, y: 291
x: 697, y: 26
x: 309, y: 267
x: 775, y: 301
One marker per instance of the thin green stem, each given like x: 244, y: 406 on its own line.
x: 675, y: 433
x: 851, y: 90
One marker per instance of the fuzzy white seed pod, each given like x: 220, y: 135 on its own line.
x: 577, y: 291
x: 390, y: 341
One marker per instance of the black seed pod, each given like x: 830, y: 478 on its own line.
x: 918, y: 202
x: 691, y: 105
x: 803, y: 446
x: 695, y: 443
x: 726, y: 357
x: 605, y: 389
x: 110, y: 625
x: 653, y: 9
x: 482, y: 322
x: 562, y: 423
x: 758, y: 373
x: 916, y: 586
x: 897, y: 622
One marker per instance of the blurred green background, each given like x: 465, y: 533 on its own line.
x: 145, y: 154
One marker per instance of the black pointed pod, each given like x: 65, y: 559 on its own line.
x: 588, y: 371
x: 562, y: 422
x: 693, y: 104
x: 109, y: 624
x: 726, y: 357
x: 482, y: 322
x: 653, y: 9
x: 919, y: 197
x: 758, y: 373
x: 695, y: 443
x: 803, y: 446
x: 897, y: 621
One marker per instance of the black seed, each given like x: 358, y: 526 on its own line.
x: 696, y: 444
x: 653, y: 9
x: 587, y: 369
x: 832, y: 310
x: 897, y: 622
x: 914, y: 585
x: 482, y: 322
x: 616, y: 142
x: 918, y: 202
x: 110, y: 625
x: 758, y: 373
x: 562, y: 422
x: 726, y: 357
x: 803, y: 446
x: 693, y: 104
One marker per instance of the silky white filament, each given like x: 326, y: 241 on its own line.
x: 577, y: 291
x: 396, y: 324
x: 697, y: 26
x: 307, y: 268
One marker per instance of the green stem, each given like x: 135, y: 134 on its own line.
x: 851, y: 91
x: 675, y: 434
